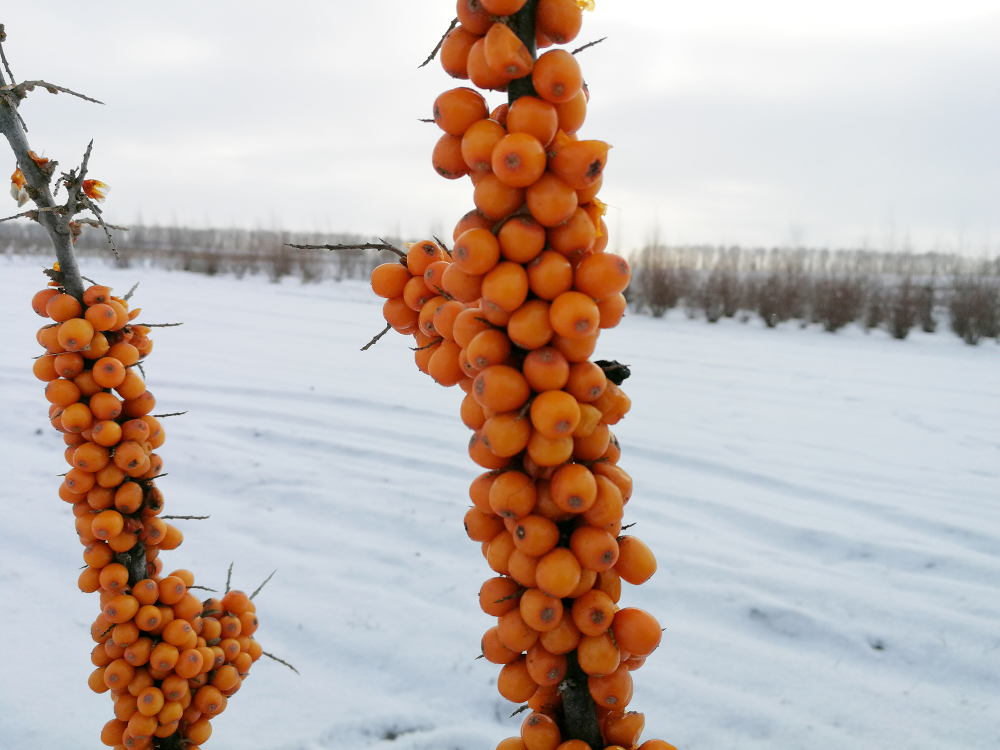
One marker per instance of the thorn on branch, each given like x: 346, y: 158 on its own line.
x: 434, y: 51
x: 187, y: 518
x: 203, y: 588
x: 522, y: 709
x: 257, y: 591
x: 443, y: 246
x: 229, y: 576
x: 21, y: 90
x: 158, y: 325
x: 172, y: 414
x: 131, y: 291
x: 101, y: 223
x: 424, y: 119
x: 371, y: 343
x: 381, y: 245
x: 280, y: 661
x: 589, y: 44
x: 435, y: 342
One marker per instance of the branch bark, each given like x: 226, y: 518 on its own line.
x: 54, y: 221
x: 579, y: 711
x: 522, y: 23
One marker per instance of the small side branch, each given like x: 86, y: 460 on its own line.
x: 383, y: 245
x: 434, y: 51
x: 229, y: 576
x: 589, y: 44
x: 371, y: 343
x: 280, y: 661
x: 257, y: 590
x: 21, y: 90
x: 171, y: 414
x: 186, y: 518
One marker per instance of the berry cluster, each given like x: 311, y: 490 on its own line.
x: 512, y: 314
x: 169, y: 660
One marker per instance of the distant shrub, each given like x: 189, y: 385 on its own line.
x: 901, y: 308
x: 974, y: 308
x: 836, y: 300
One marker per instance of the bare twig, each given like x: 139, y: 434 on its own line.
x: 280, y: 661
x: 158, y: 325
x: 100, y: 222
x: 424, y: 119
x: 131, y: 291
x: 522, y: 709
x: 186, y: 518
x: 381, y: 245
x: 229, y: 576
x: 203, y: 588
x: 371, y: 343
x: 443, y: 246
x: 6, y: 65
x: 33, y: 213
x: 171, y: 414
x: 444, y: 36
x: 589, y: 44
x: 435, y: 342
x: 20, y: 90
x: 257, y: 591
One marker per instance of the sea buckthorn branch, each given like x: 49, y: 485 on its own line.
x: 512, y: 315
x: 169, y: 660
x: 37, y: 175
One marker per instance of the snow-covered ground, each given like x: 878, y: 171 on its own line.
x: 825, y: 510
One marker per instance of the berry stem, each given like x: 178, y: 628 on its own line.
x: 522, y: 23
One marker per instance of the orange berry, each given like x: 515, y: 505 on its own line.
x: 499, y: 595
x: 602, y: 275
x: 506, y: 434
x: 540, y: 611
x: 612, y: 309
x: 562, y: 639
x: 456, y: 110
x: 598, y: 654
x: 550, y: 200
x: 499, y: 552
x: 546, y: 369
x: 558, y: 572
x: 545, y: 668
x: 546, y: 451
x: 556, y: 76
x: 460, y: 285
x: 478, y: 143
x: 580, y: 163
x: 41, y: 299
x: 636, y: 563
x: 480, y: 453
x: 501, y: 388
x: 555, y: 414
x: 611, y: 691
x: 493, y: 649
x: 505, y: 53
x: 518, y: 159
x: 559, y: 20
x: 521, y: 238
x: 62, y: 307
x: 388, y: 280
x: 515, y: 683
x: 497, y: 200
x: 422, y: 254
x: 593, y: 612
x: 535, y: 117
x: 575, y: 237
x: 455, y: 51
x: 506, y: 286
x: 574, y: 315
x: 595, y: 548
x: 75, y: 334
x: 535, y: 535
x: 512, y: 495
x: 476, y: 251
x: 480, y: 72
x: 529, y: 325
x: 473, y: 16
x: 447, y: 157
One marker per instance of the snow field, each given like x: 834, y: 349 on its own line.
x: 824, y: 509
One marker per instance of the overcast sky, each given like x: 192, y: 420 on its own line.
x: 857, y: 123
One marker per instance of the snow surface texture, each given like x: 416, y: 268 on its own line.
x: 825, y: 510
